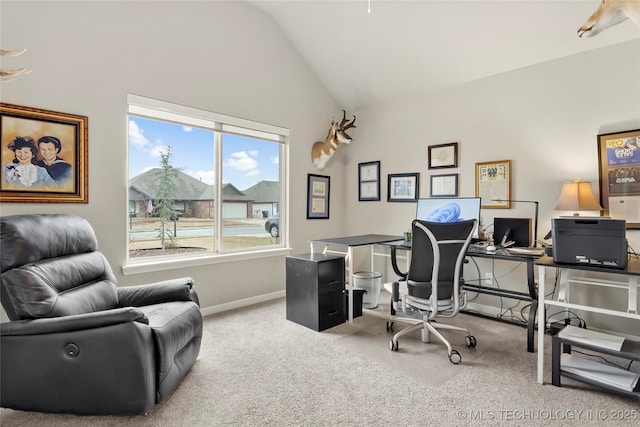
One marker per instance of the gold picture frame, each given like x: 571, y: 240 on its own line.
x: 493, y: 184
x: 43, y: 156
x: 619, y: 176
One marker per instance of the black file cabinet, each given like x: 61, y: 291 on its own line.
x: 315, y: 290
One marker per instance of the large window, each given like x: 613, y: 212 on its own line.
x: 201, y: 183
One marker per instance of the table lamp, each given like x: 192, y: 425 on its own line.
x: 576, y: 196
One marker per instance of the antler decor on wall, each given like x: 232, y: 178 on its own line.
x: 7, y: 75
x: 321, y: 152
x: 608, y: 14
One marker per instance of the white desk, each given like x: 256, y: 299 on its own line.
x: 350, y: 242
x: 568, y: 276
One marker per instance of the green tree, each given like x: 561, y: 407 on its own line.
x: 167, y: 190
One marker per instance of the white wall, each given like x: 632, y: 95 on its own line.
x: 225, y: 57
x: 544, y: 118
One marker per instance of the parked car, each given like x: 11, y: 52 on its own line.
x: 272, y: 225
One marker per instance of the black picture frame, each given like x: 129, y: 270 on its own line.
x: 443, y: 156
x: 445, y: 185
x: 369, y: 181
x: 318, y: 192
x: 403, y: 187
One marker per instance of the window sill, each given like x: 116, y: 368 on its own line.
x: 150, y: 266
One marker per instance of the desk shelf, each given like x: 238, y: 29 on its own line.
x: 601, y: 375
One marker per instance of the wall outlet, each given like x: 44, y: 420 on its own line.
x: 488, y: 279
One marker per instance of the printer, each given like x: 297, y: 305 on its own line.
x: 594, y: 241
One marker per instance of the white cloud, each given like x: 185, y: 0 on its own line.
x: 241, y: 161
x: 158, y: 150
x: 275, y: 160
x: 208, y: 177
x: 187, y: 128
x: 254, y: 153
x: 136, y: 136
x: 253, y: 173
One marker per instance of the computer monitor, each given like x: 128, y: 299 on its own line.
x: 449, y: 209
x: 516, y: 230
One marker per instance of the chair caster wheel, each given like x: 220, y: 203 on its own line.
x: 470, y: 341
x: 393, y: 346
x: 389, y: 326
x: 455, y: 357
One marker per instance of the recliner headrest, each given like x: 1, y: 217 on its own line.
x: 36, y: 237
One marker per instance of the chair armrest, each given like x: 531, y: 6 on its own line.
x: 394, y: 264
x: 76, y: 322
x: 156, y: 293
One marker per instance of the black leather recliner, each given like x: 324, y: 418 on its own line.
x: 76, y: 342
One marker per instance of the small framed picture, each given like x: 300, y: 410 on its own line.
x: 444, y: 185
x: 443, y: 156
x: 369, y: 181
x: 403, y: 187
x: 318, y: 196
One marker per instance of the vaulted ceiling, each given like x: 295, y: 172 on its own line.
x: 403, y: 49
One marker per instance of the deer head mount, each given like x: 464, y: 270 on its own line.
x: 608, y: 14
x: 7, y: 75
x: 321, y: 152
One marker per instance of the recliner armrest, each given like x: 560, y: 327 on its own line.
x: 156, y: 293
x: 72, y: 323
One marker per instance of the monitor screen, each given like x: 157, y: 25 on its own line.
x: 442, y: 209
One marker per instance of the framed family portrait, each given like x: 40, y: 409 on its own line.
x: 369, y: 181
x: 403, y: 187
x: 493, y: 184
x: 619, y: 173
x: 444, y: 185
x: 443, y: 156
x: 43, y: 155
x: 318, y: 196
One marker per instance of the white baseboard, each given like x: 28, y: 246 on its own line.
x: 241, y: 303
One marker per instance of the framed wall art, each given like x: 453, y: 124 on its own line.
x: 44, y: 156
x: 318, y: 196
x: 493, y: 184
x: 403, y: 187
x: 619, y: 173
x: 444, y: 185
x: 369, y: 181
x: 443, y: 156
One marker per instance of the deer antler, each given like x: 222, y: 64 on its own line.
x: 17, y: 52
x: 345, y: 124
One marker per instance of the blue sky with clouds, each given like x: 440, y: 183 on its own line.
x: 246, y: 161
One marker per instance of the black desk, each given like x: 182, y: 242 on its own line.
x: 351, y: 242
x: 501, y: 254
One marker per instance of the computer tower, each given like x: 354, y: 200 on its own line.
x: 595, y: 241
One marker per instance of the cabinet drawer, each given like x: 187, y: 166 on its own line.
x: 331, y: 309
x: 331, y: 276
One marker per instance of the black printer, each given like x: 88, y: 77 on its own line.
x: 595, y: 241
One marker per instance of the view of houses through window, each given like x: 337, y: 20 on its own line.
x: 188, y: 168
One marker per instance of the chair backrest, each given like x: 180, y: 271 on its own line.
x: 437, y: 255
x: 50, y: 267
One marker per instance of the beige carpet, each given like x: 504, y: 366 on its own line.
x: 256, y: 368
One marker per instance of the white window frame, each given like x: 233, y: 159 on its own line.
x: 162, y: 110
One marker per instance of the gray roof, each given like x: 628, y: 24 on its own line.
x: 188, y: 187
x: 264, y: 192
x: 145, y: 186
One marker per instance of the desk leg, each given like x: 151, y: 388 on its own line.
x: 349, y: 261
x: 531, y: 324
x: 541, y: 322
x: 633, y: 295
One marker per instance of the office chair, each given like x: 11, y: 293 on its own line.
x: 437, y: 254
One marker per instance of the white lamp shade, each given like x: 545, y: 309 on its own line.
x: 577, y: 196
